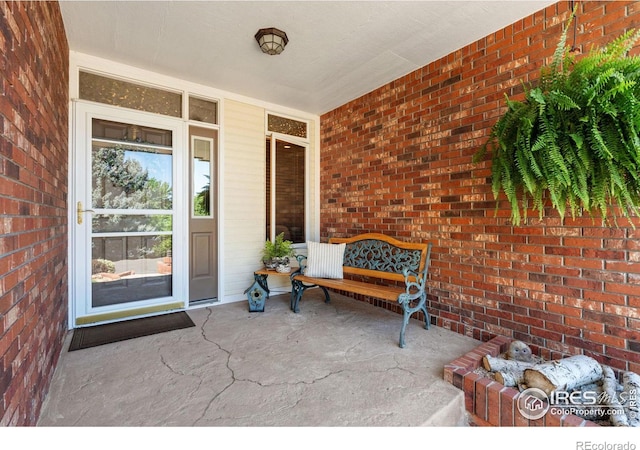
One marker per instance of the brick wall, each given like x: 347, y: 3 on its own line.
x: 33, y: 202
x: 399, y: 161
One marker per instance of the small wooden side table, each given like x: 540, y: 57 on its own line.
x: 258, y: 292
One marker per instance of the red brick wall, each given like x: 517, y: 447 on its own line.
x: 34, y: 59
x: 399, y: 161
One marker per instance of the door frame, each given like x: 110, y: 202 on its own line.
x: 79, y: 315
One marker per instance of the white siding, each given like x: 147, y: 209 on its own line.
x: 244, y: 195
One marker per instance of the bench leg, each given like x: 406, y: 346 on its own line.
x: 298, y: 288
x: 327, y: 299
x: 408, y: 312
x: 295, y: 295
x: 427, y: 318
x: 405, y: 320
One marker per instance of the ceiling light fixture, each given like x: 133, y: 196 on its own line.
x: 271, y: 40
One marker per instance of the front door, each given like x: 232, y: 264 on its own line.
x: 203, y: 266
x: 127, y: 220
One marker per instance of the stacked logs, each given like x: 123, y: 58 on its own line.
x: 579, y: 379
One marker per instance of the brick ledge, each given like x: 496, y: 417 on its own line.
x: 490, y: 403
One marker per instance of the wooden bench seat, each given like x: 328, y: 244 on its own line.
x: 377, y: 266
x: 355, y: 287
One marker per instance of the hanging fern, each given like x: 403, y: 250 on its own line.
x: 574, y: 139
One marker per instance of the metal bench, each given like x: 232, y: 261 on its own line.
x: 371, y: 259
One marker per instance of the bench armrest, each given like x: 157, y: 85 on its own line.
x: 415, y: 286
x: 302, y: 263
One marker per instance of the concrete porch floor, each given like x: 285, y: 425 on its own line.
x: 336, y: 364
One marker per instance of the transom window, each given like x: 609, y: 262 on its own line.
x: 127, y: 94
x: 286, y: 125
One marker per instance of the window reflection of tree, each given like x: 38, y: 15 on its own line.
x: 201, y: 201
x: 123, y: 183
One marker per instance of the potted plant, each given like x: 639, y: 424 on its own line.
x: 275, y: 255
x: 574, y: 140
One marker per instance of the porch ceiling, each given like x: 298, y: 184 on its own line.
x: 338, y: 50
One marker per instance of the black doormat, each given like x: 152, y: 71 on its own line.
x: 129, y: 329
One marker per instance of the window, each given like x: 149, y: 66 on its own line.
x: 203, y: 110
x: 286, y: 156
x: 201, y: 176
x: 286, y: 193
x: 285, y: 125
x: 126, y: 94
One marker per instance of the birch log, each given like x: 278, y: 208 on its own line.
x: 563, y: 374
x: 510, y: 379
x: 617, y: 414
x: 631, y: 390
x: 507, y: 372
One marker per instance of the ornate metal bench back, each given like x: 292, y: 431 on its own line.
x: 372, y: 254
x: 378, y: 255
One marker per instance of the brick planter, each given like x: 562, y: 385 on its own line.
x: 490, y: 403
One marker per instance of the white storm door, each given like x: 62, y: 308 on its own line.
x: 127, y: 220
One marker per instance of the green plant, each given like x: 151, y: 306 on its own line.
x: 164, y: 247
x: 279, y: 248
x: 102, y: 266
x: 574, y: 138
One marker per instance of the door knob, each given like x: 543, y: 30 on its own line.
x: 79, y: 210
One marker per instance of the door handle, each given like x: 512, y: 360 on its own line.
x: 79, y: 210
